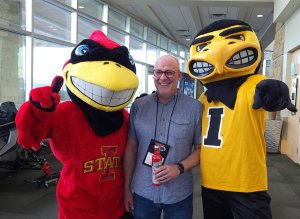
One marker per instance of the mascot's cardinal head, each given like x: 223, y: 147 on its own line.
x: 101, y: 74
x: 224, y: 49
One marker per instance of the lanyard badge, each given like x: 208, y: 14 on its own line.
x: 163, y: 148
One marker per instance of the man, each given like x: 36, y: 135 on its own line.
x: 172, y: 120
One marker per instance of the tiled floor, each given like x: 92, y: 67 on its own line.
x: 284, y: 188
x: 20, y: 200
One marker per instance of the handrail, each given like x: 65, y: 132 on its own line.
x: 7, y: 124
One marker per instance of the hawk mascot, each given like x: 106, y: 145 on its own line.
x: 225, y: 57
x: 87, y: 134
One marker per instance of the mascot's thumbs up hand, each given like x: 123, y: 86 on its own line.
x: 272, y: 95
x: 46, y: 98
x: 33, y: 115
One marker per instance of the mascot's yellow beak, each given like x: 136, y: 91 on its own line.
x: 224, y: 53
x: 101, y: 74
x: 105, y: 85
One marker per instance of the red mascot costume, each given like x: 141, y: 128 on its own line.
x: 88, y: 133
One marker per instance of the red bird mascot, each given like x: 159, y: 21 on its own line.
x: 88, y: 133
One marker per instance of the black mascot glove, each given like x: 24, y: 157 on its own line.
x: 272, y: 95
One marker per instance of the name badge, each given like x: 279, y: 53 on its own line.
x: 163, y: 148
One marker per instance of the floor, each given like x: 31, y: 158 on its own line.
x: 21, y: 200
x: 284, y: 188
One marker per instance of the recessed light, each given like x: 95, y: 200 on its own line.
x: 187, y: 39
x: 80, y: 6
x: 260, y: 15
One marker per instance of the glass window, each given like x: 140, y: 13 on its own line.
x: 12, y: 65
x: 136, y: 29
x: 182, y: 65
x: 182, y: 51
x: 86, y: 27
x: 162, y: 52
x: 151, y: 54
x: 12, y: 14
x: 51, y: 21
x: 140, y: 73
x: 136, y: 50
x: 92, y: 8
x: 117, y: 19
x: 66, y: 2
x: 173, y: 48
x: 151, y: 36
x: 163, y: 42
x: 151, y: 86
x: 116, y: 36
x: 43, y: 70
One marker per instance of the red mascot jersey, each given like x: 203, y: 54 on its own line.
x: 91, y: 182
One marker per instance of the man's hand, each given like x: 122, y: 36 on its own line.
x: 166, y: 173
x: 128, y: 200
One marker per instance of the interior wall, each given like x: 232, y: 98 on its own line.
x: 289, y: 35
x: 278, y: 52
x: 279, y: 6
x: 292, y: 32
x: 291, y: 146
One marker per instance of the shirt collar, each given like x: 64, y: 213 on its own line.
x: 154, y: 95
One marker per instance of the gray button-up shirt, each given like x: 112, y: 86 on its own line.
x: 184, y: 133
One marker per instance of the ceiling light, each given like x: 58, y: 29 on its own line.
x: 217, y: 16
x: 80, y: 6
x: 259, y: 15
x: 187, y: 39
x: 182, y: 30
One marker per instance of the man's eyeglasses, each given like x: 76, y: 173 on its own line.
x: 168, y: 73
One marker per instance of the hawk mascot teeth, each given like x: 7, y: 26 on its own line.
x: 225, y: 57
x: 87, y: 134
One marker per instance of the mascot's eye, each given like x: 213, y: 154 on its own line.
x: 201, y: 46
x: 237, y: 37
x: 82, y: 50
x: 131, y: 60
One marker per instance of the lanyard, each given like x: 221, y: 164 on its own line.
x: 169, y: 120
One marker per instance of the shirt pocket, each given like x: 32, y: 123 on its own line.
x: 179, y: 128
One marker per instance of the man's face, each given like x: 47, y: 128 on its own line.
x: 166, y: 76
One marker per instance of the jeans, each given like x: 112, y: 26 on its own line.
x: 146, y: 209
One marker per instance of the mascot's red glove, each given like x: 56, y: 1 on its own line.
x: 46, y: 98
x: 42, y: 101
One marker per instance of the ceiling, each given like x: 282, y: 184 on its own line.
x: 181, y: 20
